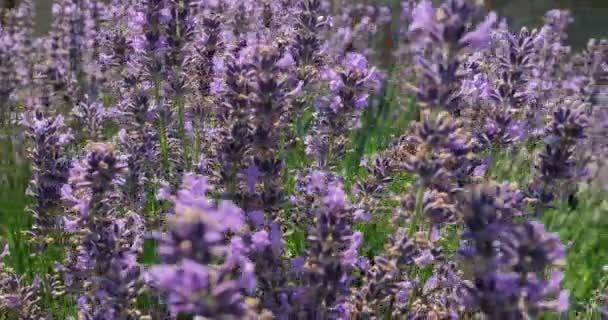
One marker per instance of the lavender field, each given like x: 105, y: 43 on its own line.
x: 300, y: 159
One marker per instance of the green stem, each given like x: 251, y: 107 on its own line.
x: 417, y: 212
x: 181, y: 115
x: 196, y: 156
x: 162, y: 132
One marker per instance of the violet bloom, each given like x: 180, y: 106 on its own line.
x: 515, y: 55
x: 102, y: 262
x: 206, y: 58
x: 234, y: 138
x: 179, y: 31
x: 440, y: 39
x: 306, y: 49
x: 48, y: 137
x: 424, y: 20
x: 270, y: 92
x: 200, y: 272
x: 352, y: 26
x: 91, y: 115
x: 138, y: 149
x: 271, y: 269
x: 497, y: 89
x: 78, y: 24
x: 588, y: 69
x: 384, y: 280
x: 480, y: 37
x: 139, y: 139
x: 502, y: 130
x: 7, y: 76
x: 373, y: 190
x: 305, y: 55
x: 17, y: 51
x: 550, y: 59
x: 509, y: 261
x: 148, y: 40
x: 445, y: 153
x: 558, y: 168
x: 388, y: 288
x: 531, y: 252
x: 329, y: 259
x: 350, y: 85
x: 18, y: 299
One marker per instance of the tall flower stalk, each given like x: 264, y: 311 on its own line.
x: 202, y: 270
x: 101, y: 267
x: 48, y: 139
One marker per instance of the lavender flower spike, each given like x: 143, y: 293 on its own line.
x: 102, y: 263
x: 202, y: 272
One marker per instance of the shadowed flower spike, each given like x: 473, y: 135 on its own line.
x: 558, y: 166
x: 49, y: 138
x: 17, y: 298
x: 350, y: 84
x: 509, y: 261
x: 330, y: 258
x: 444, y: 157
x: 102, y: 257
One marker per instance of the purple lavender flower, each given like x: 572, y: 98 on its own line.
x: 48, y: 136
x: 91, y: 115
x: 480, y: 37
x: 329, y: 259
x: 19, y: 299
x: 306, y: 49
x: 102, y: 263
x: 350, y: 86
x: 371, y: 192
x: 441, y: 37
x: 558, y: 168
x: 444, y: 157
x: 270, y: 93
x: 206, y: 59
x: 272, y: 273
x: 508, y: 261
x: 235, y: 127
x: 7, y: 74
x: 201, y: 273
x: 586, y: 76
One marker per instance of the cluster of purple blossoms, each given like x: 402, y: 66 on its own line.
x: 440, y: 37
x: 49, y: 137
x: 559, y: 169
x: 325, y: 268
x: 516, y: 268
x: 203, y: 271
x: 349, y: 85
x: 169, y: 97
x: 499, y: 81
x: 102, y: 266
x: 18, y: 299
x: 444, y: 157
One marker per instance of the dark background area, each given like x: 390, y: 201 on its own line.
x: 591, y: 16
